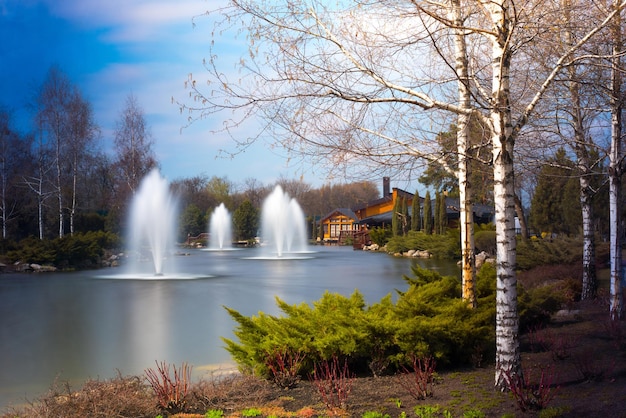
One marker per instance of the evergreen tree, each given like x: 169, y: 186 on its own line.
x: 428, y: 217
x: 404, y: 218
x: 442, y: 214
x: 396, y: 224
x: 437, y: 219
x: 246, y: 221
x: 555, y: 207
x: 192, y: 222
x: 416, y: 219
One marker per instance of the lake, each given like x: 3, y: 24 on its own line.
x: 90, y: 324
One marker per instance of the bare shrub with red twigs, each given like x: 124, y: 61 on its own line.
x: 170, y: 390
x: 417, y: 379
x: 333, y: 382
x: 529, y: 396
x: 284, y: 367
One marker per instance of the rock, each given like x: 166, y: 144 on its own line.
x: 483, y: 258
x: 372, y: 247
x: 38, y: 268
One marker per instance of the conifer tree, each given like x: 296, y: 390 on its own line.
x: 416, y: 220
x: 396, y: 226
x: 437, y: 219
x: 404, y: 217
x: 428, y: 217
x: 442, y: 214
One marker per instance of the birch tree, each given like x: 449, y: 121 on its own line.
x: 133, y: 145
x: 616, y: 162
x: 339, y: 84
x: 53, y: 116
x: 82, y: 133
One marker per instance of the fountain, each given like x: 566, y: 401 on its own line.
x: 152, y: 220
x: 282, y: 225
x: 220, y: 229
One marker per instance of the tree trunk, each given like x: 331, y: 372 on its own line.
x: 466, y: 219
x: 589, y: 281
x: 615, y: 170
x: 519, y: 211
x: 508, y: 358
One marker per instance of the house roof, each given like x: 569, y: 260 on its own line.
x: 342, y: 211
x: 452, y: 209
x: 385, y: 199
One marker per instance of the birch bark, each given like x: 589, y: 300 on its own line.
x: 508, y: 359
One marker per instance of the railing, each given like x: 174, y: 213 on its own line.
x: 204, y: 236
x: 359, y: 238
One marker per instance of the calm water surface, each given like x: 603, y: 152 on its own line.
x: 76, y: 326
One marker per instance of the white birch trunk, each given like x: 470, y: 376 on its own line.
x: 615, y: 172
x: 508, y: 358
x: 466, y: 219
x: 589, y: 282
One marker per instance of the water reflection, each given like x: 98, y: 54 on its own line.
x: 75, y: 327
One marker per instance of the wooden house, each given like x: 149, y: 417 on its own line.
x: 343, y: 224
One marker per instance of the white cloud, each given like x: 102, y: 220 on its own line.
x: 130, y: 20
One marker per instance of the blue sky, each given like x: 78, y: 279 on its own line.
x: 112, y: 48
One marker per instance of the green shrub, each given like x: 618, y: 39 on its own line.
x: 485, y: 241
x: 446, y: 246
x: 380, y: 236
x: 76, y: 251
x: 537, y: 252
x: 428, y: 319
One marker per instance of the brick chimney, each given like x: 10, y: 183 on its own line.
x: 386, y: 186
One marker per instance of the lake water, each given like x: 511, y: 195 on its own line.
x: 90, y: 324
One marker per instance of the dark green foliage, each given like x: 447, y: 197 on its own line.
x: 416, y: 213
x: 485, y: 240
x: 537, y: 252
x: 437, y: 218
x: 71, y: 251
x: 405, y: 220
x: 428, y: 214
x: 380, y: 235
x: 429, y: 318
x: 441, y: 246
x: 435, y: 321
x: 396, y: 223
x: 442, y: 214
x: 555, y: 207
x: 246, y: 221
x: 192, y: 222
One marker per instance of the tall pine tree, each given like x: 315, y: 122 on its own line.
x: 396, y: 226
x: 428, y: 217
x: 437, y: 219
x: 404, y: 217
x: 416, y: 215
x: 442, y: 214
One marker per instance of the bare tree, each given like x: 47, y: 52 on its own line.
x: 53, y: 111
x: 342, y: 87
x: 133, y: 145
x: 14, y: 160
x: 82, y: 133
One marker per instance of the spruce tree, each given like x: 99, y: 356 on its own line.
x: 428, y: 217
x: 416, y: 220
